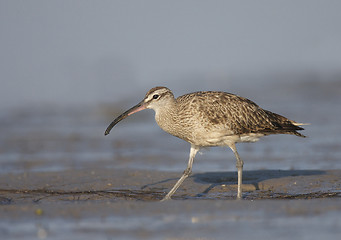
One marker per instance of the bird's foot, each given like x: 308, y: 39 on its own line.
x: 166, y: 198
x: 239, y: 196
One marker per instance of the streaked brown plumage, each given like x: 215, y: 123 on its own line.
x: 207, y: 119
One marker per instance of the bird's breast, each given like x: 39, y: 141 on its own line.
x: 171, y: 124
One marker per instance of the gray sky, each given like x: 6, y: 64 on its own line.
x: 97, y: 51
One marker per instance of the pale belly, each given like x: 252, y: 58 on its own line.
x: 213, y: 138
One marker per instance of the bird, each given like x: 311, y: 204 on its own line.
x: 210, y: 119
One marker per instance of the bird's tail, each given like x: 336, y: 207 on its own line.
x: 298, y: 128
x: 284, y: 125
x: 299, y: 124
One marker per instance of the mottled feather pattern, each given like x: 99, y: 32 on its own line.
x: 220, y: 110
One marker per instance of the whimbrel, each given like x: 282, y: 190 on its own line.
x: 208, y: 119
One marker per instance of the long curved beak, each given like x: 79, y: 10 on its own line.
x: 139, y: 107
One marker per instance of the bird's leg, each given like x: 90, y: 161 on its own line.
x: 239, y: 165
x: 187, y: 172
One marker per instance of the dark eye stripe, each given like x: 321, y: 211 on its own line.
x: 157, y: 96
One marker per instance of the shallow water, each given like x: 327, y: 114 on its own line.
x: 186, y: 220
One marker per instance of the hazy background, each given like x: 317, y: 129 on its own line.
x: 90, y: 52
x: 68, y: 67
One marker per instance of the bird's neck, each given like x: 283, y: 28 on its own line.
x: 166, y: 116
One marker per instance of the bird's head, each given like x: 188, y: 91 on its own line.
x: 155, y: 99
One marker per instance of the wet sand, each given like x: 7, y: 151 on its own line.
x: 116, y: 204
x: 115, y: 185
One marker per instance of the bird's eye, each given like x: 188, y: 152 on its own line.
x: 155, y: 96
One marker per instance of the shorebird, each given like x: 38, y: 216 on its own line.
x: 209, y: 119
